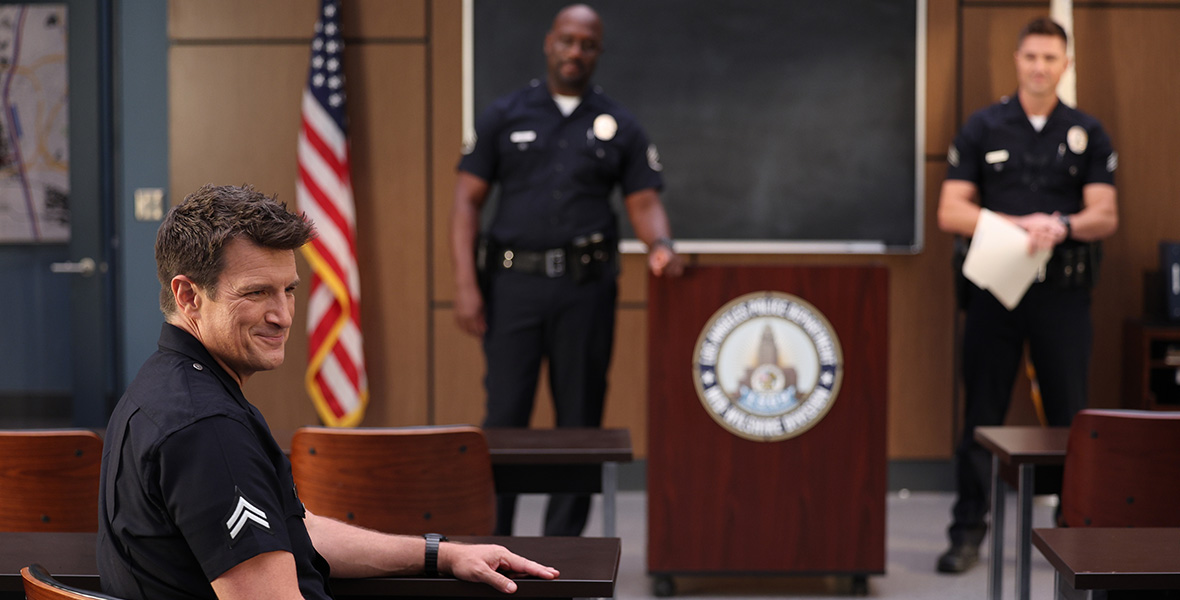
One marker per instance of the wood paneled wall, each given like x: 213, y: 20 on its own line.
x: 235, y: 74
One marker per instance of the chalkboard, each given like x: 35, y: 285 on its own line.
x: 783, y: 126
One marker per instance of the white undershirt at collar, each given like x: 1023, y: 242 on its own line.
x: 566, y: 104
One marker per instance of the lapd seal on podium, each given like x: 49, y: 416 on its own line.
x: 767, y: 366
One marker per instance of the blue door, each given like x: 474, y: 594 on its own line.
x: 57, y: 351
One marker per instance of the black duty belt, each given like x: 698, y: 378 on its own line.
x: 550, y: 263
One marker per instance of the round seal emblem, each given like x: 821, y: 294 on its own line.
x: 767, y: 366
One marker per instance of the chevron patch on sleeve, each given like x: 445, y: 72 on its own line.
x: 245, y: 513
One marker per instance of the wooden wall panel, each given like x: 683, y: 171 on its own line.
x: 457, y: 386
x: 386, y: 107
x: 942, y: 46
x: 921, y: 339
x: 989, y: 41
x: 1127, y: 61
x: 279, y: 19
x: 446, y: 116
x: 626, y: 396
x: 234, y: 116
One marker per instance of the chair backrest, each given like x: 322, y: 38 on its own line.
x: 49, y: 480
x: 410, y: 480
x: 1122, y: 469
x: 40, y: 585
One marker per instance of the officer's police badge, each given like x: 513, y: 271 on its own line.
x: 1077, y: 139
x: 605, y: 127
x: 767, y: 366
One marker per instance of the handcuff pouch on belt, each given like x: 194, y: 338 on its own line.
x: 586, y: 258
x: 1074, y: 265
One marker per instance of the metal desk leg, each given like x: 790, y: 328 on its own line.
x: 1063, y: 591
x: 995, y: 558
x: 610, y: 486
x: 1024, y: 494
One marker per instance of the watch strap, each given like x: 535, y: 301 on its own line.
x: 432, y: 542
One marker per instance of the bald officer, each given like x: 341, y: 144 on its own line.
x: 548, y: 264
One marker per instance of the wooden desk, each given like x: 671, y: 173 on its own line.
x: 588, y: 568
x: 1016, y: 452
x: 1125, y: 562
x: 568, y: 460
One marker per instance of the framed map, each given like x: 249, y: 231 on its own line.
x: 34, y: 124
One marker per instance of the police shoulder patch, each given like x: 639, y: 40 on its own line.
x: 653, y: 158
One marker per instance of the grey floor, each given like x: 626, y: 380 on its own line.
x: 914, y: 539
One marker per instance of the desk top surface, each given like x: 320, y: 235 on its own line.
x: 1025, y: 445
x: 558, y: 446
x: 588, y: 567
x: 523, y: 446
x: 1100, y: 558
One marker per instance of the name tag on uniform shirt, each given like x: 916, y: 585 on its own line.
x: 522, y: 137
x: 996, y: 156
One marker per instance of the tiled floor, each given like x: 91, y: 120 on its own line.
x: 914, y: 539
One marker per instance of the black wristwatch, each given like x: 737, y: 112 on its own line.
x: 432, y: 541
x: 663, y: 241
x: 1065, y: 221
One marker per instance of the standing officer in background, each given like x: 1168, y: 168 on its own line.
x: 542, y: 283
x: 1049, y: 169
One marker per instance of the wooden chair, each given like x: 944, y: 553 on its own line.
x: 1122, y: 469
x: 40, y: 585
x: 411, y: 480
x: 49, y: 480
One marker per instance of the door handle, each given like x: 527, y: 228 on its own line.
x: 85, y: 267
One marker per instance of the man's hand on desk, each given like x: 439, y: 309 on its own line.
x: 486, y: 563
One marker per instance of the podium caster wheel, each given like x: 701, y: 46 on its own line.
x: 662, y: 586
x: 860, y: 585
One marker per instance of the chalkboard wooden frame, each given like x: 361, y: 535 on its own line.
x: 846, y: 189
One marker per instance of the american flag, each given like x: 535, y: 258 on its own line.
x: 335, y: 375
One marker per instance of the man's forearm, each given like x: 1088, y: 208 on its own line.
x: 1099, y: 217
x: 648, y: 217
x: 358, y: 552
x: 470, y: 193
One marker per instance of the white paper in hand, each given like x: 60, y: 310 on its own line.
x: 998, y: 260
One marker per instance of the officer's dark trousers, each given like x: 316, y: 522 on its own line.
x: 572, y: 324
x: 1056, y: 323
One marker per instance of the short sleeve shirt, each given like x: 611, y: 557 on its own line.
x: 1021, y: 171
x: 193, y: 483
x: 556, y: 173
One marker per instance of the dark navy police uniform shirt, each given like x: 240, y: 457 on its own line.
x: 193, y: 483
x: 1019, y: 170
x: 556, y: 173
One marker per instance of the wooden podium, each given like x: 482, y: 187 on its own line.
x: 720, y: 503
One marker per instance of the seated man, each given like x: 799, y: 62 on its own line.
x: 197, y: 499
